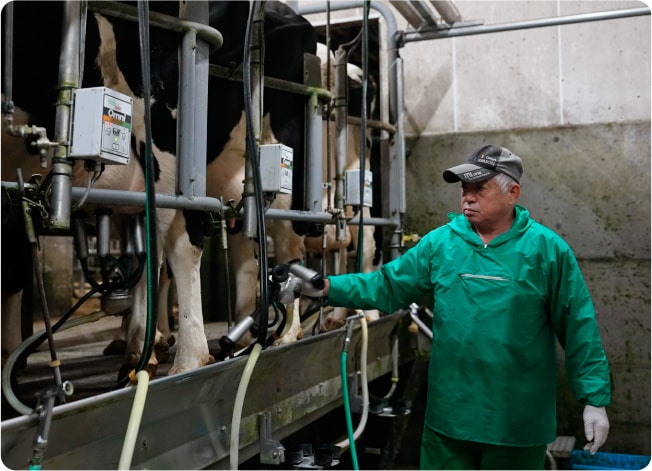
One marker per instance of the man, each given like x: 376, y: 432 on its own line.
x: 504, y: 288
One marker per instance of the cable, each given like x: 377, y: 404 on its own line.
x: 150, y: 192
x: 347, y: 410
x: 263, y: 303
x: 253, y: 152
x: 353, y: 436
x: 365, y: 387
x: 30, y: 345
x: 391, y: 391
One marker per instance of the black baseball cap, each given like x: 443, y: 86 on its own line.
x: 486, y: 162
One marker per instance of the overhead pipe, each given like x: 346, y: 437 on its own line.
x: 443, y: 33
x: 448, y: 11
x: 407, y: 11
x: 425, y: 12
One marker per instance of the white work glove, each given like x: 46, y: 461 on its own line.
x: 312, y: 282
x: 596, y: 427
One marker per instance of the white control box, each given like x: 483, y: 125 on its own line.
x: 352, y: 187
x: 276, y: 162
x: 100, y: 127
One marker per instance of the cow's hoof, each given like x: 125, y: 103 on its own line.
x: 116, y: 347
x: 333, y: 324
x: 129, y: 371
x: 176, y: 369
x: 162, y: 352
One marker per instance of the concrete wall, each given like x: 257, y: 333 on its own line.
x: 596, y: 72
x: 574, y: 102
x: 592, y: 185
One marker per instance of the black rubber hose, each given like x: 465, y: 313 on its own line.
x: 150, y: 191
x: 253, y: 152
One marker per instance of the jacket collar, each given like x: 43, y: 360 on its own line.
x: 462, y: 227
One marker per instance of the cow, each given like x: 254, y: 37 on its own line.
x: 348, y: 244
x: 112, y: 60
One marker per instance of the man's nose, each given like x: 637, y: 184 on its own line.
x: 468, y: 196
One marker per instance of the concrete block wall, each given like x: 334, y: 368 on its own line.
x: 597, y: 72
x: 583, y: 182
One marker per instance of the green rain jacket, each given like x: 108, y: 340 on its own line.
x: 497, y: 311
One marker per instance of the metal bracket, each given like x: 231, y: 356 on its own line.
x: 46, y: 400
x: 271, y: 451
x: 355, y: 398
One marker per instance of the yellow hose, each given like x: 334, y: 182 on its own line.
x: 134, y: 420
x: 239, y: 402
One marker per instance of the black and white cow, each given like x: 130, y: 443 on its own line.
x: 113, y: 60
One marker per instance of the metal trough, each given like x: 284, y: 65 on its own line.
x: 186, y: 423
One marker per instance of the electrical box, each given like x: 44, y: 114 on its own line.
x: 100, y: 127
x: 352, y: 187
x: 276, y: 162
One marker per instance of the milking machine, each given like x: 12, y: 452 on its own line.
x: 93, y: 125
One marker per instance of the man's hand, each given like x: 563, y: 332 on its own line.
x: 596, y: 427
x: 313, y: 282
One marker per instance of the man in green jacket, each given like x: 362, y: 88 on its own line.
x: 504, y: 289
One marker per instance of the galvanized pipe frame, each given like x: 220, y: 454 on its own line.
x: 396, y: 166
x: 193, y: 83
x: 70, y: 78
x: 443, y: 32
x: 192, y: 188
x: 130, y: 198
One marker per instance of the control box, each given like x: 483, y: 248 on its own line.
x: 352, y: 188
x: 276, y: 162
x: 100, y: 127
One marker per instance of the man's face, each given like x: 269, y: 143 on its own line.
x: 484, y: 205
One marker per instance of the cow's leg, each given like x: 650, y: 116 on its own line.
x: 185, y: 259
x: 294, y: 331
x: 242, y: 257
x: 164, y: 285
x: 136, y: 321
x: 118, y: 346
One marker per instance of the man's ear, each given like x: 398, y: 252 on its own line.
x: 514, y: 192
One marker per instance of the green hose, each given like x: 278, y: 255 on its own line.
x: 347, y: 411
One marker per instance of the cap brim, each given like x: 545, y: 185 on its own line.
x: 468, y: 172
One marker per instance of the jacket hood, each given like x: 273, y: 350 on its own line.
x: 462, y: 227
